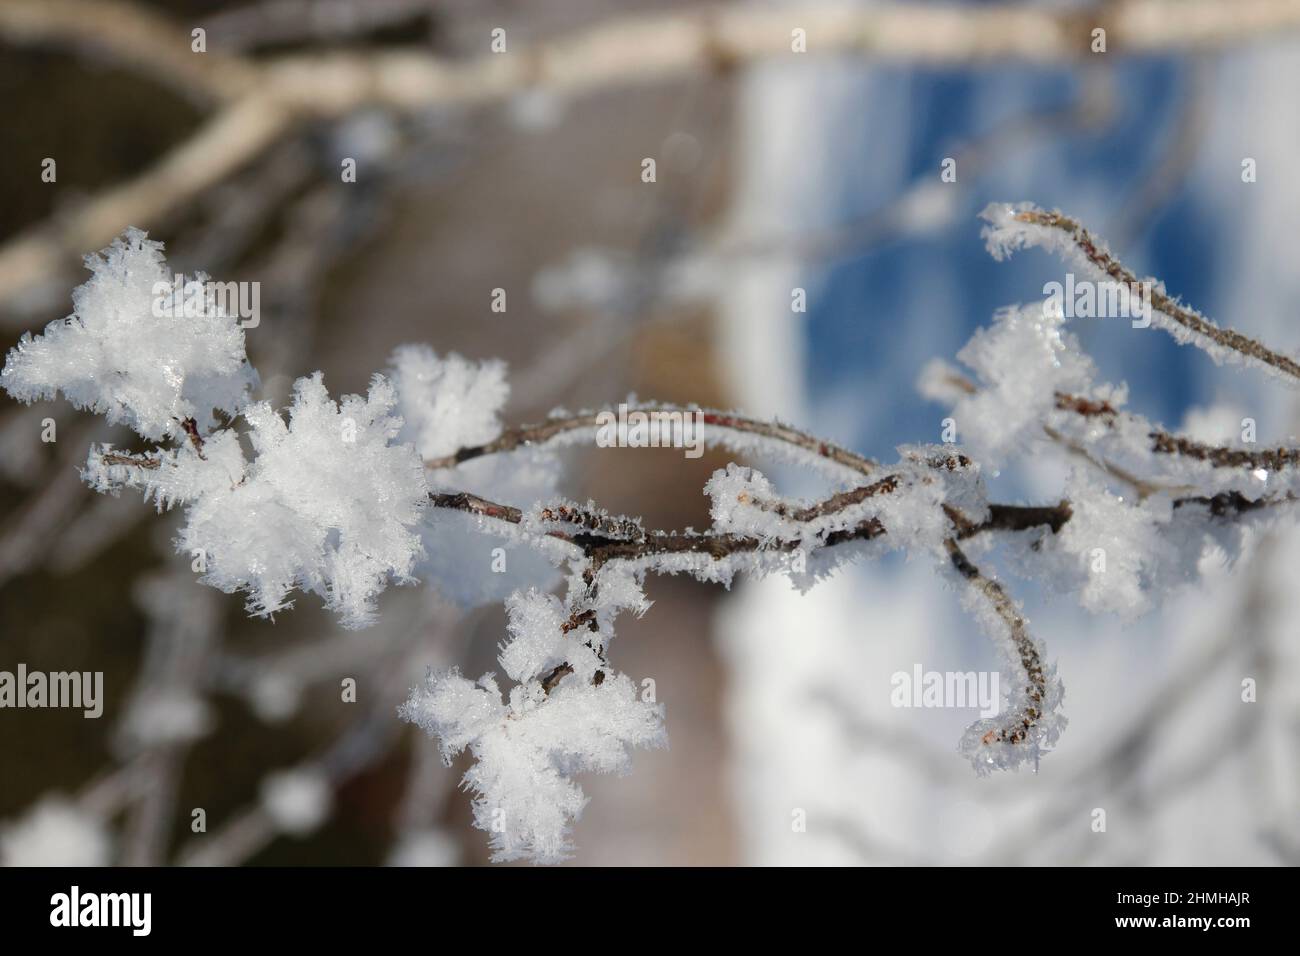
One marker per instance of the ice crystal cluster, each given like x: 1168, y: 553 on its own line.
x: 135, y: 357
x: 418, y: 480
x: 529, y: 742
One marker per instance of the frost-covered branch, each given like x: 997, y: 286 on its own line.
x: 1269, y: 459
x: 1016, y: 227
x: 1031, y: 723
x: 620, y: 541
x: 725, y: 429
x: 418, y: 480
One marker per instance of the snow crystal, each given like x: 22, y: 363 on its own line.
x: 738, y: 497
x: 180, y: 475
x: 138, y: 357
x: 447, y: 403
x: 1114, y: 543
x: 620, y: 589
x: 537, y: 641
x: 1006, y: 234
x: 528, y: 747
x: 329, y: 504
x: 1021, y: 361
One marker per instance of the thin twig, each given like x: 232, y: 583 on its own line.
x: 1017, y: 729
x: 540, y: 434
x: 1166, y: 305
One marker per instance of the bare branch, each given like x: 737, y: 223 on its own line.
x: 129, y: 34
x: 264, y: 100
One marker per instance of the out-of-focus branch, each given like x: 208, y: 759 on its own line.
x: 131, y: 35
x: 1181, y: 149
x: 27, y: 534
x: 259, y: 24
x: 264, y: 100
x: 644, y: 47
x: 249, y: 830
x: 229, y: 139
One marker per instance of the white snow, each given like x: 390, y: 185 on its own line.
x: 120, y: 356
